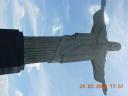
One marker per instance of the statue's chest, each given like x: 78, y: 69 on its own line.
x: 78, y: 45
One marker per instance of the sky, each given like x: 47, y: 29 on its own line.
x: 65, y: 17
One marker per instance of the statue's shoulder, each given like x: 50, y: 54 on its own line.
x: 81, y: 34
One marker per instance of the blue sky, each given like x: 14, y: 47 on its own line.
x: 61, y: 17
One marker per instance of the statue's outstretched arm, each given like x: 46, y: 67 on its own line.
x: 98, y: 70
x: 99, y: 21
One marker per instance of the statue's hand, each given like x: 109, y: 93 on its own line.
x: 103, y: 3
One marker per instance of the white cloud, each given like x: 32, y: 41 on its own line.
x: 21, y: 14
x: 40, y: 83
x: 19, y: 74
x: 35, y: 66
x: 95, y: 8
x: 66, y: 9
x: 106, y: 18
x: 57, y: 26
x: 18, y: 14
x: 33, y: 12
x: 18, y: 93
x: 2, y: 14
x: 4, y: 86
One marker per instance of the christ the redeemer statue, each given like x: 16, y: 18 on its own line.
x: 17, y: 50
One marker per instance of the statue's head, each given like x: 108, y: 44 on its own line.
x: 114, y: 46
